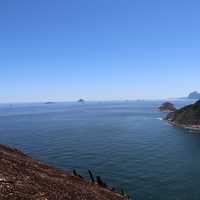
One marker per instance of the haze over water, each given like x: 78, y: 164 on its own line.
x: 125, y: 143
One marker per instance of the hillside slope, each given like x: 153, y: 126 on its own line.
x: 186, y: 116
x: 22, y: 178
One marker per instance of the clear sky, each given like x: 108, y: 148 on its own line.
x: 98, y: 49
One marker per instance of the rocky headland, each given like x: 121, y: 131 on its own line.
x: 187, y: 117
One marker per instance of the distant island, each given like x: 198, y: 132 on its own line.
x: 49, y: 102
x: 81, y: 101
x: 194, y: 95
x: 167, y: 107
x: 187, y: 117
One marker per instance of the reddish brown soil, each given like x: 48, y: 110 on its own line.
x: 22, y: 178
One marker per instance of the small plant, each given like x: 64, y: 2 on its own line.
x: 91, y: 176
x: 80, y: 176
x: 100, y: 182
x: 122, y: 192
x: 74, y: 172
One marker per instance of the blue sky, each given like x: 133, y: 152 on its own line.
x: 98, y: 49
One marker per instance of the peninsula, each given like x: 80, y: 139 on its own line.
x: 187, y: 117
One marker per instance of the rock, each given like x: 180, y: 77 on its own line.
x: 49, y: 102
x: 167, y: 107
x: 81, y: 100
x: 21, y: 177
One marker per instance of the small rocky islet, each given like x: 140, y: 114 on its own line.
x: 81, y: 101
x: 167, y: 107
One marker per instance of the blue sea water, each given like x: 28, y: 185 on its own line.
x: 126, y: 143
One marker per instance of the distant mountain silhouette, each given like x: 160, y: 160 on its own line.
x: 194, y: 95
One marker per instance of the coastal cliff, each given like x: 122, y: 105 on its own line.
x: 21, y: 177
x: 188, y: 116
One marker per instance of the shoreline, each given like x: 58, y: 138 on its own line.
x: 188, y: 127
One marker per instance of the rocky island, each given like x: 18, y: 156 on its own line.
x: 22, y: 178
x: 81, y: 101
x: 49, y: 102
x: 187, y: 117
x: 167, y: 107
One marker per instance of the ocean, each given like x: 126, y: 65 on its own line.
x: 125, y: 142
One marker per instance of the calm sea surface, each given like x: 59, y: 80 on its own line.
x: 125, y: 143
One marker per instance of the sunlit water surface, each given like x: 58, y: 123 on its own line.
x: 126, y: 143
